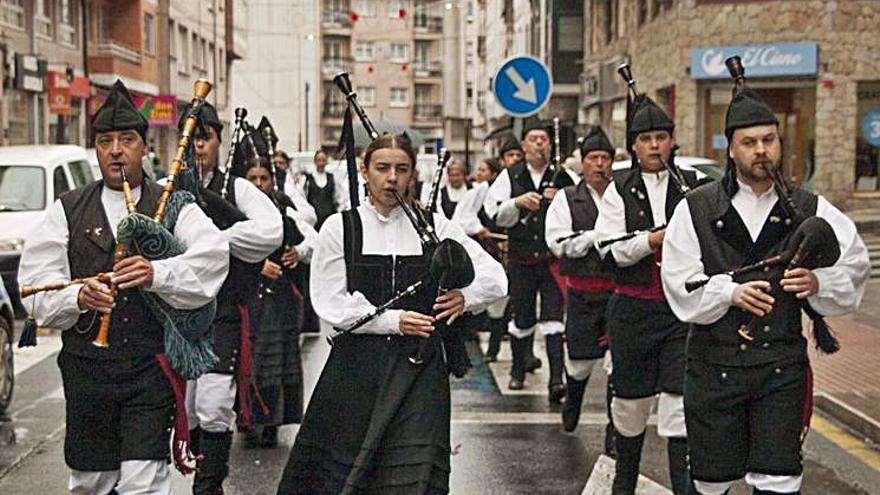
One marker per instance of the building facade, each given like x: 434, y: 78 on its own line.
x: 815, y: 62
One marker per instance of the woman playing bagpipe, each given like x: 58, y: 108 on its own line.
x: 118, y: 394
x: 742, y: 258
x: 378, y: 421
x: 276, y: 319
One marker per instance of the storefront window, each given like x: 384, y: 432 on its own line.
x: 868, y: 136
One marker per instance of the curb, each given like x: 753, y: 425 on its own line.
x: 850, y: 417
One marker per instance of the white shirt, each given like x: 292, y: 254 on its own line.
x: 393, y: 235
x: 186, y: 281
x: 469, y: 207
x: 499, y: 205
x: 299, y: 200
x: 559, y: 224
x: 254, y: 239
x: 340, y: 191
x: 612, y: 219
x: 309, y: 233
x: 841, y: 286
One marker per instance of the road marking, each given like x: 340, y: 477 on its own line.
x: 26, y: 357
x: 853, y: 445
x: 602, y: 477
x: 534, y: 418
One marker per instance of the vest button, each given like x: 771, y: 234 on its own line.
x: 766, y: 328
x: 788, y: 222
x: 719, y: 224
x: 724, y: 374
x: 743, y: 347
x: 125, y: 340
x: 766, y: 345
x: 125, y: 319
x: 641, y: 213
x: 124, y: 298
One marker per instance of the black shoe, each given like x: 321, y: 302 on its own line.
x: 269, y: 438
x: 515, y: 384
x: 679, y: 475
x: 214, y: 468
x: 497, y: 328
x: 251, y: 438
x: 610, y: 448
x: 517, y: 370
x: 571, y: 410
x: 557, y: 393
x: 626, y: 470
x: 532, y: 362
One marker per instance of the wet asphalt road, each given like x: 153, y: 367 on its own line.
x: 504, y: 444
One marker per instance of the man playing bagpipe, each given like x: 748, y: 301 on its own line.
x: 742, y: 257
x: 118, y: 395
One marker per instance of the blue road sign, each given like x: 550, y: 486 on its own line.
x: 871, y: 127
x: 522, y: 86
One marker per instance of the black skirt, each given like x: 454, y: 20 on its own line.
x: 277, y: 314
x: 376, y: 424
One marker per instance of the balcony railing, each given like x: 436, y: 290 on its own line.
x: 336, y: 18
x: 424, y: 23
x: 427, y: 111
x: 334, y: 65
x: 427, y: 68
x: 113, y: 48
x: 333, y: 110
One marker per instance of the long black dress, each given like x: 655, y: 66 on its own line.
x: 376, y: 423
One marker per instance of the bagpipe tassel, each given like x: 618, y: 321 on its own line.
x: 28, y: 336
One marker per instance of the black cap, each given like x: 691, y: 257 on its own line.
x: 265, y: 124
x: 532, y: 123
x: 747, y: 109
x: 207, y: 117
x: 596, y: 140
x: 509, y: 142
x: 118, y: 113
x: 649, y: 117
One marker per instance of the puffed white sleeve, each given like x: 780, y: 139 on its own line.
x: 44, y: 260
x: 254, y: 239
x: 612, y: 223
x: 842, y: 285
x: 310, y: 236
x: 498, y: 203
x: 466, y: 213
x: 193, y: 278
x: 682, y: 262
x: 490, y: 281
x: 559, y: 224
x: 328, y: 284
x: 299, y: 200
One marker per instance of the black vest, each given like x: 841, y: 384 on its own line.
x: 526, y: 242
x: 725, y: 244
x: 583, y: 217
x: 447, y: 204
x: 323, y: 199
x: 134, y: 331
x: 639, y: 216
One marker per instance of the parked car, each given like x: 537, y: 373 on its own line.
x: 704, y: 167
x: 7, y: 372
x: 31, y: 179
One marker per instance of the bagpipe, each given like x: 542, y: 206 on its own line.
x: 442, y: 161
x: 450, y: 265
x: 555, y: 167
x: 187, y: 333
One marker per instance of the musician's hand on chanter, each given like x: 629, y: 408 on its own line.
x: 549, y: 193
x: 655, y: 239
x: 753, y: 297
x: 451, y: 305
x: 529, y: 201
x: 95, y: 296
x: 271, y: 270
x: 134, y: 271
x: 290, y: 258
x: 415, y: 323
x: 801, y: 281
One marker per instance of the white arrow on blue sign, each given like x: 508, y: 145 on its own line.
x: 522, y: 86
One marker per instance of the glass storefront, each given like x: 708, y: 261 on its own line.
x: 868, y: 137
x: 795, y: 108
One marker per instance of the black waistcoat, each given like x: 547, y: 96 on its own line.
x: 725, y: 244
x: 323, y: 199
x: 639, y: 216
x: 526, y: 242
x: 447, y: 204
x: 134, y: 331
x: 583, y: 217
x: 380, y: 277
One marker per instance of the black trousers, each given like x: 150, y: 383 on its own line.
x: 585, y: 325
x: 526, y: 281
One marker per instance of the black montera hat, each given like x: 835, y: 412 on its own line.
x: 509, y: 142
x: 747, y: 109
x: 118, y: 113
x: 532, y: 123
x: 207, y: 116
x: 596, y: 140
x: 649, y: 117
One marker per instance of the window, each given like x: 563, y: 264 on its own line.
x: 203, y: 53
x: 395, y: 7
x: 172, y: 40
x: 59, y: 181
x: 81, y: 172
x: 367, y: 95
x: 364, y: 51
x: 663, y: 6
x: 67, y: 22
x: 868, y: 136
x: 182, y: 50
x: 211, y: 62
x: 149, y: 37
x: 22, y: 188
x: 398, y: 52
x: 365, y: 7
x: 12, y: 13
x: 197, y: 61
x: 222, y: 68
x: 43, y: 18
x: 399, y: 97
x: 101, y: 23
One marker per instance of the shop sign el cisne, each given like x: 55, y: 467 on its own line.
x: 767, y: 60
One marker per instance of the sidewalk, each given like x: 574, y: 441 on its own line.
x: 847, y: 383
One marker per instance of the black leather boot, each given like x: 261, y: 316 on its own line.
x: 679, y: 474
x: 629, y: 456
x: 532, y: 362
x: 555, y: 353
x: 610, y: 432
x: 497, y: 329
x: 574, y: 398
x: 194, y: 437
x: 214, y: 468
x: 517, y: 370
